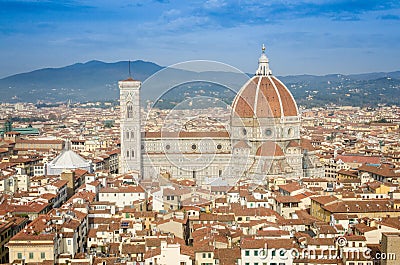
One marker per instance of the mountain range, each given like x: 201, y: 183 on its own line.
x: 97, y: 81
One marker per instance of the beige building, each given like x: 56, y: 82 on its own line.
x: 169, y: 254
x: 33, y: 244
x: 39, y: 145
x: 390, y: 248
x: 324, y: 207
x: 124, y: 196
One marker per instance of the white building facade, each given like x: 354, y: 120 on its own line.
x: 262, y: 139
x: 130, y: 158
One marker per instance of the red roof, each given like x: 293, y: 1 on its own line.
x: 264, y: 97
x: 359, y: 159
x: 269, y: 149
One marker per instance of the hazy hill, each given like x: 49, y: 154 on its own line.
x: 93, y: 80
x: 357, y: 90
x: 97, y: 80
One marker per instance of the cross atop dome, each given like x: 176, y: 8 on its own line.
x: 263, y: 64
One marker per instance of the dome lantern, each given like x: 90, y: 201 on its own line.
x: 264, y: 96
x: 263, y: 64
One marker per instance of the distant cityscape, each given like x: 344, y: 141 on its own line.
x: 261, y: 179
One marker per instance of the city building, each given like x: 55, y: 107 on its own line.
x: 263, y: 140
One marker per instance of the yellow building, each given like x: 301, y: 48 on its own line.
x: 390, y: 247
x: 32, y: 251
x: 381, y: 188
x: 274, y: 183
x: 34, y: 243
x: 317, y: 203
x: 347, y: 174
x: 376, y: 208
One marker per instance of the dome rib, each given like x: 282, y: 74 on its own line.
x: 288, y: 102
x: 264, y: 97
x: 242, y: 105
x: 278, y: 94
x: 257, y: 94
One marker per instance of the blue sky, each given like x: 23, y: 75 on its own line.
x: 302, y: 37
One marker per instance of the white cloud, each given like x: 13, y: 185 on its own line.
x: 210, y: 4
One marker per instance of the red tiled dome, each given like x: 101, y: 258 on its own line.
x: 269, y: 148
x: 264, y: 96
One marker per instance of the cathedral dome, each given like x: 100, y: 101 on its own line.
x: 264, y: 96
x: 67, y: 160
x: 269, y: 149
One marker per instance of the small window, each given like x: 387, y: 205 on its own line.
x: 268, y: 132
x: 43, y: 255
x: 244, y: 131
x: 133, y: 153
x: 219, y: 146
x: 30, y: 255
x: 247, y: 253
x: 167, y: 147
x: 256, y: 253
x: 129, y: 110
x: 290, y: 132
x: 194, y: 147
x: 19, y: 255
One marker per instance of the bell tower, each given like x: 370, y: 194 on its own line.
x: 130, y: 159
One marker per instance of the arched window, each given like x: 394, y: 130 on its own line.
x: 129, y: 110
x: 133, y: 153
